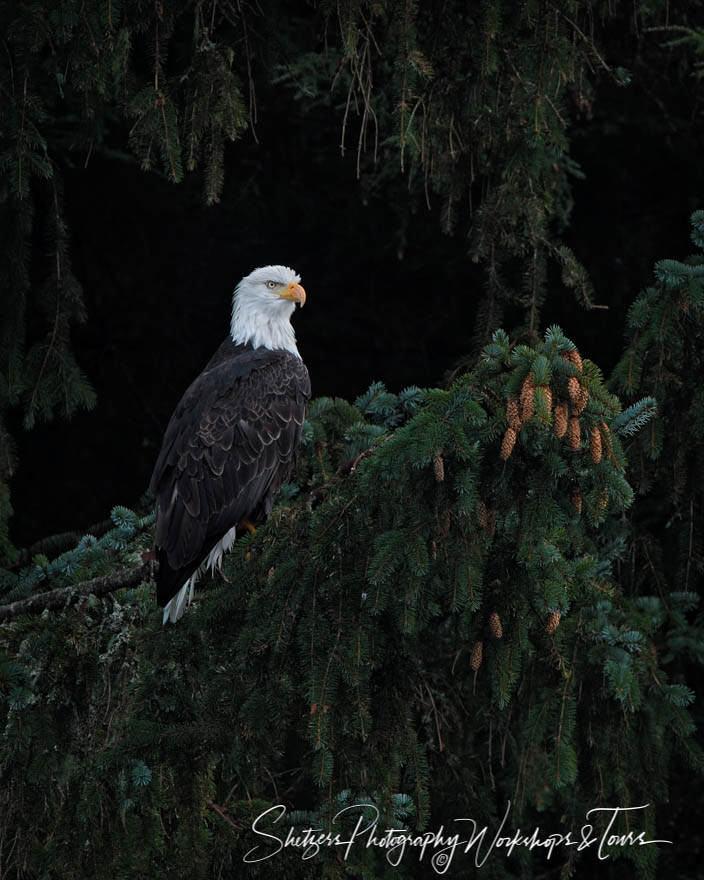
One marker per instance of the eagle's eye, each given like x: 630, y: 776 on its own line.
x: 271, y: 285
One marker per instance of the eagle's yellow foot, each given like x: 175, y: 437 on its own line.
x: 246, y: 525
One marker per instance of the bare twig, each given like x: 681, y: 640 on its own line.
x: 441, y: 745
x: 221, y: 812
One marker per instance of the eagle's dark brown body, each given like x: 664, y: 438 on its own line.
x: 229, y: 446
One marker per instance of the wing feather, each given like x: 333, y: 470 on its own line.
x: 228, y: 448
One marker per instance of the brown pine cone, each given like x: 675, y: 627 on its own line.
x: 548, y: 395
x: 527, y: 399
x: 513, y: 414
x: 495, y: 627
x: 507, y: 443
x: 475, y: 660
x: 595, y: 445
x: 574, y: 388
x: 573, y: 433
x: 490, y: 522
x: 545, y: 390
x: 576, y: 498
x: 582, y: 400
x: 606, y: 437
x: 444, y: 521
x: 439, y: 467
x: 602, y: 500
x: 574, y: 358
x: 552, y: 623
x: 561, y: 419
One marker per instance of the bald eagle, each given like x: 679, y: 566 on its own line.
x: 232, y: 440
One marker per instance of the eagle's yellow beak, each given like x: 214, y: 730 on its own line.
x: 293, y: 292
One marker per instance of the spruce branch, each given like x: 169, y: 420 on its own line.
x: 55, y: 544
x: 67, y: 596
x: 345, y: 469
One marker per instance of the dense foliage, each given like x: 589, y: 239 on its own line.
x: 431, y: 623
x: 470, y: 595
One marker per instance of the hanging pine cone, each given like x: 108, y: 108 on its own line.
x: 475, y: 660
x: 582, y: 400
x: 602, y: 500
x: 490, y: 522
x: 508, y: 443
x: 595, y: 445
x: 552, y: 623
x: 528, y: 408
x: 576, y: 498
x: 548, y: 395
x: 495, y: 627
x: 561, y: 419
x: 574, y: 358
x: 439, y: 467
x: 482, y: 515
x: 606, y: 437
x: 573, y: 389
x: 513, y: 414
x: 444, y: 520
x: 527, y: 399
x: 573, y: 434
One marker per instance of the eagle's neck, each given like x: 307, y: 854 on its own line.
x: 263, y: 327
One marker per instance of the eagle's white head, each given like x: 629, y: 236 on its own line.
x: 262, y: 306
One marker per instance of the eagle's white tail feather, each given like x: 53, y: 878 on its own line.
x: 175, y: 607
x: 223, y: 546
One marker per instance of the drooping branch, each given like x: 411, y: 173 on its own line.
x: 67, y: 596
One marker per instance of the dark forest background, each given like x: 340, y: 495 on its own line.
x: 392, y: 295
x: 498, y: 601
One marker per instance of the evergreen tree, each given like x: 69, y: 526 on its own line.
x: 431, y: 622
x: 664, y: 354
x: 460, y: 601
